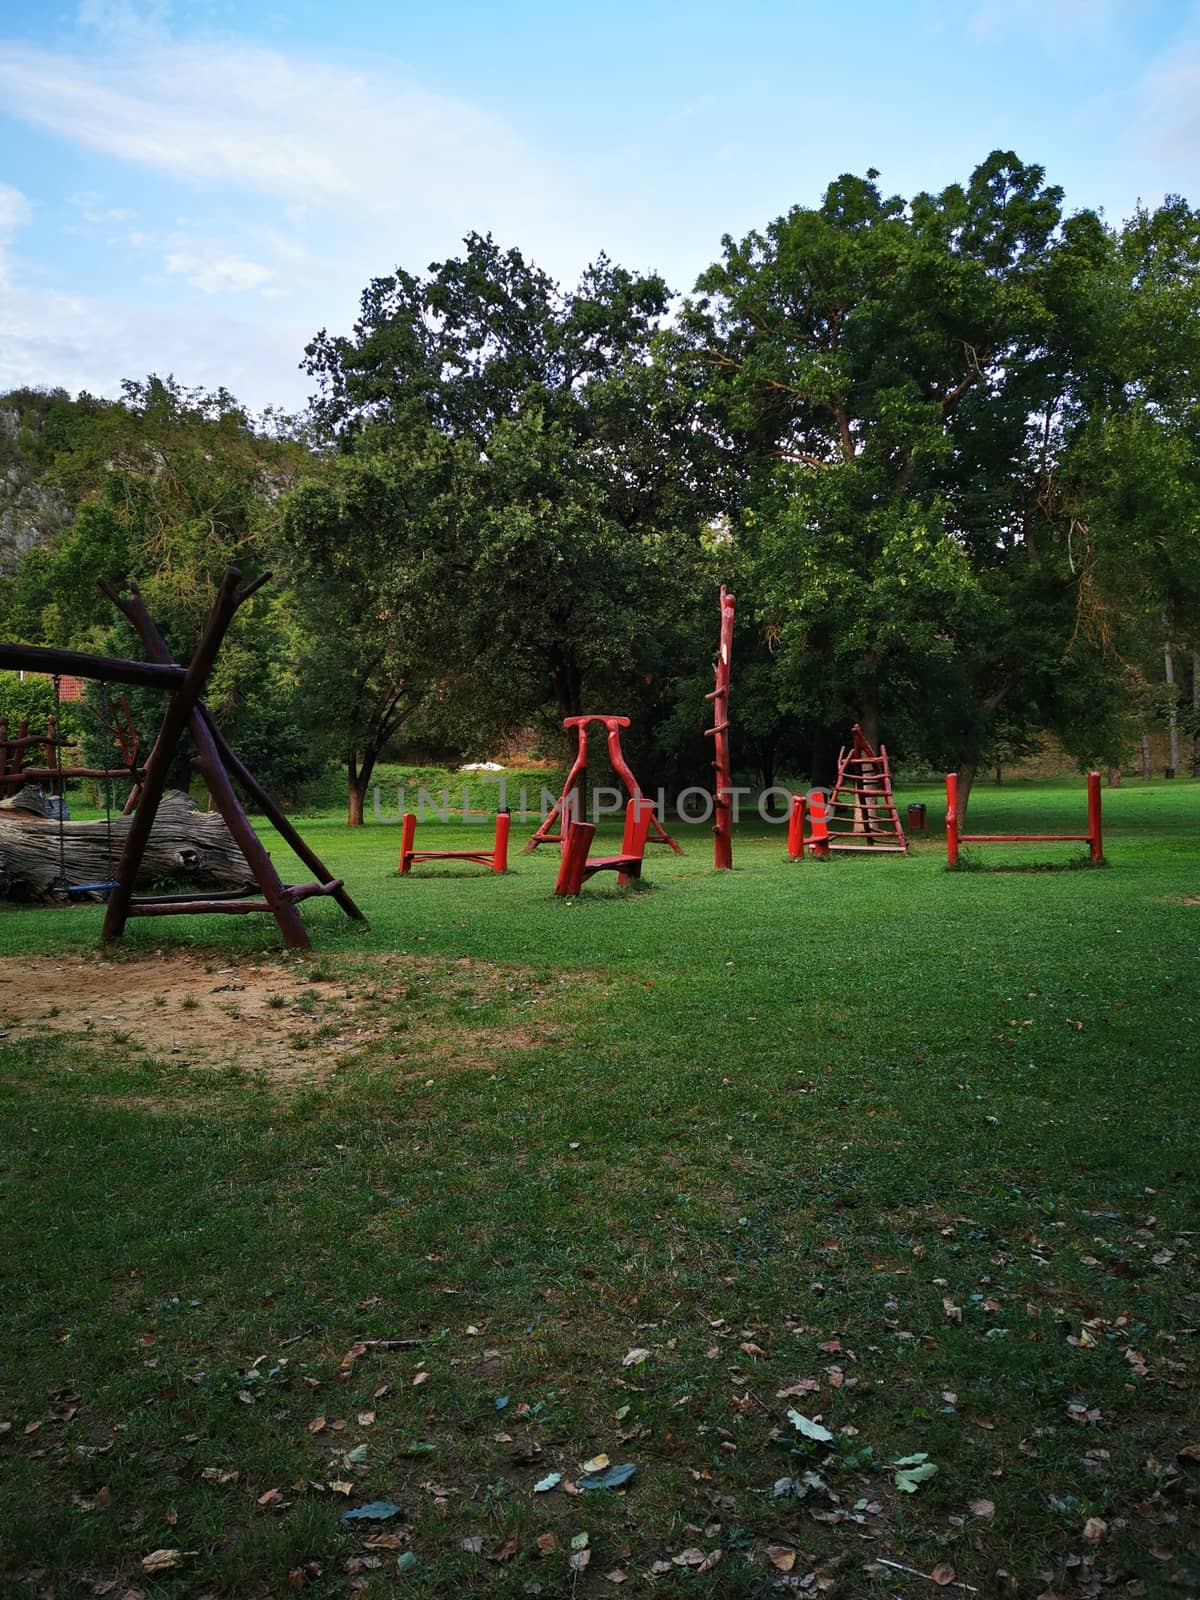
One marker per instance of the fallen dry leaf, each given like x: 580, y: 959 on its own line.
x: 1094, y: 1529
x: 546, y: 1544
x: 164, y: 1560
x: 982, y: 1508
x: 634, y: 1358
x: 596, y: 1464
x: 781, y: 1556
x: 943, y: 1575
x: 691, y: 1557
x: 579, y: 1560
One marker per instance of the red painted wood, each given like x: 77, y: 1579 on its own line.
x: 719, y: 733
x: 545, y: 834
x: 1092, y: 838
x: 795, y: 844
x: 952, y: 819
x: 1094, y: 830
x: 496, y: 857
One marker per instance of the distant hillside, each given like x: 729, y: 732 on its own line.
x: 32, y: 426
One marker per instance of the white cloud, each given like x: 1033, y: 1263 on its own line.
x: 215, y: 272
x: 1170, y: 112
x: 312, y: 135
x: 15, y: 213
x: 82, y: 342
x: 1056, y: 22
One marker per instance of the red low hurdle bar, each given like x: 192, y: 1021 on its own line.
x: 954, y: 838
x: 496, y: 858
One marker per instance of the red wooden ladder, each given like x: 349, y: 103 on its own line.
x: 862, y: 814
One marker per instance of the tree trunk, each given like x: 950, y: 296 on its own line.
x: 1145, y: 742
x: 184, y: 843
x: 1173, y: 713
x: 358, y: 772
x: 868, y: 721
x: 1195, y: 714
x: 1114, y: 777
x: 766, y: 774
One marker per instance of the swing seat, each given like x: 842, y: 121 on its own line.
x: 84, y: 888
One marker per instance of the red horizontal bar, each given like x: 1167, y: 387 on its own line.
x: 452, y: 855
x: 1024, y: 838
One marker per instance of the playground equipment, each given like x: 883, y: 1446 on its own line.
x: 1091, y: 838
x: 15, y: 774
x: 545, y: 833
x: 815, y: 810
x: 214, y: 760
x: 719, y: 733
x: 862, y: 813
x: 576, y: 865
x: 497, y: 858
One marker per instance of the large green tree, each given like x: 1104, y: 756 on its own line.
x: 567, y: 531
x: 891, y: 381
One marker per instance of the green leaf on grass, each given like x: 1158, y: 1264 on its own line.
x: 809, y: 1428
x: 912, y: 1471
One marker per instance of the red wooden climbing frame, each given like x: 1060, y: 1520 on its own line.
x: 545, y: 833
x: 862, y: 814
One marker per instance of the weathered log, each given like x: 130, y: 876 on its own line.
x: 185, y: 843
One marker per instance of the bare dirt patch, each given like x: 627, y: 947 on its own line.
x: 272, y: 1016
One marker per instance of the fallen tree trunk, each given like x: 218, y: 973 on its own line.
x: 185, y: 843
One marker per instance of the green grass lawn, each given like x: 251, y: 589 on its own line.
x: 910, y: 1155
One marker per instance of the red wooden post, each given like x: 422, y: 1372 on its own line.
x: 500, y: 848
x: 796, y: 828
x: 639, y: 814
x: 952, y: 819
x: 819, y: 840
x: 1094, y: 838
x: 578, y: 842
x: 408, y: 829
x: 719, y: 733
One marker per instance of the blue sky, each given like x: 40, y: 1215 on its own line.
x: 197, y: 186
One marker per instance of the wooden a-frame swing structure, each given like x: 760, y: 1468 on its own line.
x: 214, y: 761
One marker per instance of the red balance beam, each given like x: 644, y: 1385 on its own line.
x: 954, y: 838
x: 496, y: 858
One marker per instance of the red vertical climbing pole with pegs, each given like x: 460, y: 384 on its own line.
x: 719, y: 733
x: 545, y: 833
